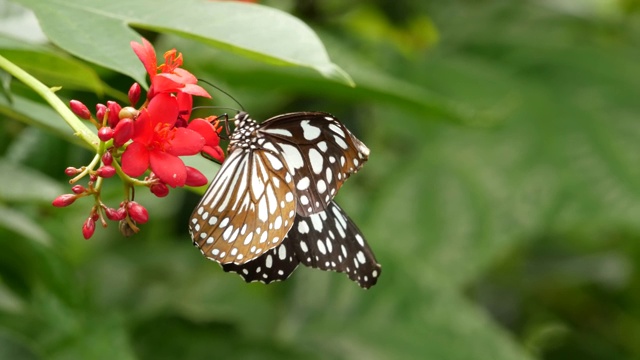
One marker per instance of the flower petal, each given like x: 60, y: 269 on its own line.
x: 168, y: 168
x: 206, y: 129
x: 185, y: 103
x: 185, y: 142
x: 135, y: 159
x: 215, y: 153
x: 163, y: 84
x: 147, y: 55
x: 186, y: 76
x: 143, y: 128
x: 163, y: 108
x: 196, y: 90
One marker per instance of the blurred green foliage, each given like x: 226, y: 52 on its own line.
x: 502, y: 197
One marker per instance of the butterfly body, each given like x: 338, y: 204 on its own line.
x: 276, y: 186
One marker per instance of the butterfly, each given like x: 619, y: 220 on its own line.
x: 270, y: 206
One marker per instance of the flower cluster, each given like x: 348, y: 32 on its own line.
x: 152, y: 137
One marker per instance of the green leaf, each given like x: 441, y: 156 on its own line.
x: 268, y: 34
x: 373, y: 85
x: 21, y: 184
x: 51, y: 68
x: 15, y: 347
x: 23, y: 225
x: 39, y: 115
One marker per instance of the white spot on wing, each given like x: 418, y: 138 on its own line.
x: 308, y: 131
x: 303, y: 184
x: 292, y: 156
x: 321, y: 186
x: 321, y: 247
x: 317, y: 161
x: 336, y: 129
x: 278, y: 132
x: 303, y: 227
x: 282, y: 252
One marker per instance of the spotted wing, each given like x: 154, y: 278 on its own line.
x: 320, y: 152
x: 276, y: 264
x: 328, y: 240
x: 247, y: 210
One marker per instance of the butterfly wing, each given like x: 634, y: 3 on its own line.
x: 320, y: 152
x: 247, y: 210
x: 328, y: 240
x: 275, y: 265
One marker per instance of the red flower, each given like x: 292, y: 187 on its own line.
x: 211, y: 147
x: 157, y: 143
x: 171, y: 78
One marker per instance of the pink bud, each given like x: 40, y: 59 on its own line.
x: 71, y: 171
x: 106, y: 171
x: 64, y: 200
x: 195, y: 177
x: 105, y: 133
x: 114, y: 111
x: 115, y: 214
x: 107, y: 158
x: 159, y: 189
x: 80, y: 109
x: 137, y: 212
x: 134, y: 94
x: 123, y: 132
x: 88, y: 228
x: 101, y: 109
x: 78, y: 189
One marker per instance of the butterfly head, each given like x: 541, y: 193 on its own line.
x: 243, y: 135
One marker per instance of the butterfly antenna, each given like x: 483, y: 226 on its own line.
x: 224, y: 92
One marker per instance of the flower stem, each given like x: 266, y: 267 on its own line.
x: 81, y: 130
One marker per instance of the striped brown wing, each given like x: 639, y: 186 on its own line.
x: 247, y: 210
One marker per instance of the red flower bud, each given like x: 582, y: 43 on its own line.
x: 107, y: 158
x: 134, y: 94
x: 95, y: 216
x: 114, y: 112
x: 78, y: 189
x: 137, y: 212
x: 115, y: 214
x: 64, y: 200
x: 93, y: 178
x: 88, y: 228
x: 195, y: 177
x: 159, y: 189
x: 101, y: 109
x: 106, y: 171
x: 123, y: 132
x: 80, y: 109
x: 105, y: 133
x: 71, y: 171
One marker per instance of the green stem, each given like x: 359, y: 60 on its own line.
x: 81, y: 130
x: 126, y: 178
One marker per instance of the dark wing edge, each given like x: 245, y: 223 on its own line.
x: 276, y: 264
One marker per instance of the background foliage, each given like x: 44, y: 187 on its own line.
x: 502, y: 196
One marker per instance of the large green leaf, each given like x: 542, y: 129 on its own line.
x: 51, y: 68
x: 267, y: 34
x: 21, y: 184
